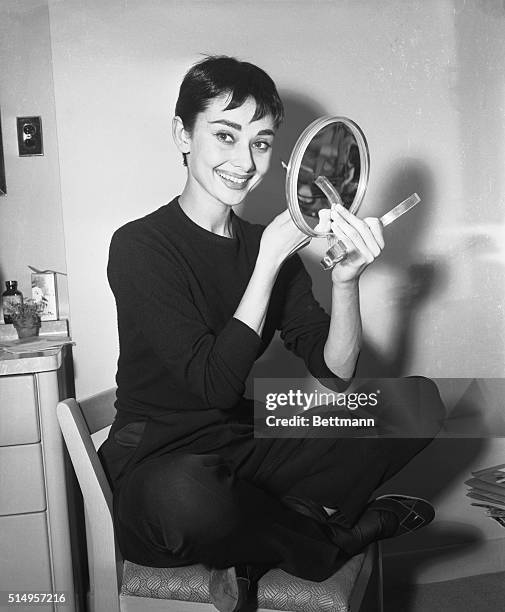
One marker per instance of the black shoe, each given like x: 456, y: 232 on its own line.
x: 346, y: 539
x: 229, y: 588
x: 387, y: 516
x: 412, y: 513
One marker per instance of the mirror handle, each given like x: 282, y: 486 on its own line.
x: 336, y: 248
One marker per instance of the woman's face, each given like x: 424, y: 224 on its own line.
x: 229, y: 153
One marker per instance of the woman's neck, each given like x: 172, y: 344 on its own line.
x: 208, y: 213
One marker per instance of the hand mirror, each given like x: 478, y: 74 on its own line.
x: 329, y: 165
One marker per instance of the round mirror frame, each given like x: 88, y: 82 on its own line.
x: 295, y: 161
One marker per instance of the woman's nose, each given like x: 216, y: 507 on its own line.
x: 244, y: 158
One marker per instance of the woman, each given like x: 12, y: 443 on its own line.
x: 200, y: 293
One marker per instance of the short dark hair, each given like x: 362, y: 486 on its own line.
x: 220, y: 74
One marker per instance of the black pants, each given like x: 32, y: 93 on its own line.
x: 224, y: 508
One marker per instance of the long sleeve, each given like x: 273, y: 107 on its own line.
x: 303, y: 323
x: 158, y: 308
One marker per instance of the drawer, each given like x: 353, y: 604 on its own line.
x: 25, y: 561
x: 19, y: 423
x: 21, y: 479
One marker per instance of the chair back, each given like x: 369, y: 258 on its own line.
x: 77, y: 423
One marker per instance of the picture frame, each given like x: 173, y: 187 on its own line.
x: 3, y: 186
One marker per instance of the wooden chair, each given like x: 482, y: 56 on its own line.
x: 121, y: 586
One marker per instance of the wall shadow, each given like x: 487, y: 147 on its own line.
x: 270, y: 200
x: 419, y: 278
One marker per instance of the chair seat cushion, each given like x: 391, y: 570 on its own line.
x: 277, y: 590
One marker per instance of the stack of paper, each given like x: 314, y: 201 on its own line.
x: 487, y: 489
x: 35, y: 344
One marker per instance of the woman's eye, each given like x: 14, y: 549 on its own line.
x: 262, y: 145
x: 225, y: 137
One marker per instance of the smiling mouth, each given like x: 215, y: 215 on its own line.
x: 232, y: 180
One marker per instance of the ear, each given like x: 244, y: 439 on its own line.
x: 181, y: 137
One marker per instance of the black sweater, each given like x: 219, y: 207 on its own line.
x: 184, y: 358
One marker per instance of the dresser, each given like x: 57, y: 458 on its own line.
x: 35, y: 543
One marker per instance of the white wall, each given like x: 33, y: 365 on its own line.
x: 424, y: 79
x: 31, y: 224
x: 406, y: 76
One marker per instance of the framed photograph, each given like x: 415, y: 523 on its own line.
x: 3, y: 186
x: 44, y: 292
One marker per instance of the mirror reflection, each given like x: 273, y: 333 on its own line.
x: 333, y: 152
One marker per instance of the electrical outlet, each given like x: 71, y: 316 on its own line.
x: 29, y: 136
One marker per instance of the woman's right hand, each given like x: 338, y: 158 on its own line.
x: 280, y: 239
x: 362, y: 238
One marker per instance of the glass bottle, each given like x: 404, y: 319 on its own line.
x: 10, y: 297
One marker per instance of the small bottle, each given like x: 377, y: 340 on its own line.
x: 10, y: 297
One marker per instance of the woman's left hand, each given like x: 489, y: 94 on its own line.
x: 363, y: 239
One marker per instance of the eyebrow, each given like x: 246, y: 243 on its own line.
x: 238, y: 127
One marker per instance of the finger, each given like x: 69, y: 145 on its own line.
x: 353, y: 238
x: 356, y: 229
x: 283, y: 217
x: 357, y: 252
x: 377, y: 230
x: 324, y: 224
x: 294, y: 231
x: 324, y: 214
x: 286, y: 223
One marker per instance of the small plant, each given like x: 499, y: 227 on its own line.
x: 26, y: 314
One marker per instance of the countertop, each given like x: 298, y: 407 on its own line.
x: 39, y: 361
